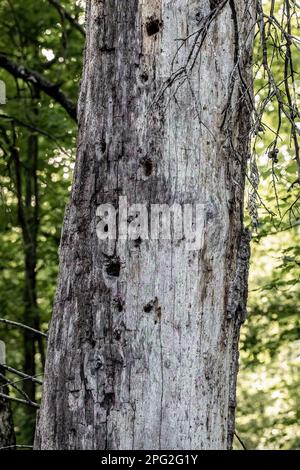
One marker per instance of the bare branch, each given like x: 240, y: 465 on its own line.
x: 19, y: 400
x: 17, y: 446
x: 65, y: 14
x: 30, y: 76
x: 240, y: 441
x: 21, y: 374
x: 36, y: 129
x: 20, y: 325
x: 13, y: 385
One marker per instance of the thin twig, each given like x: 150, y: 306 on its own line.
x: 17, y: 446
x: 65, y: 14
x: 19, y: 400
x: 20, y: 325
x: 22, y: 374
x: 240, y: 441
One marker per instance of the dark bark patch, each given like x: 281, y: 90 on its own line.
x: 147, y: 165
x: 98, y: 364
x: 152, y: 26
x: 144, y: 77
x: 118, y: 304
x: 108, y: 402
x: 137, y: 243
x: 148, y: 307
x: 113, y: 268
x: 214, y: 4
x: 107, y: 49
x: 117, y: 335
x: 199, y: 16
x: 157, y: 315
x: 153, y: 305
x: 103, y: 146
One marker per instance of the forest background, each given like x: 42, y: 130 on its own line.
x: 41, y: 47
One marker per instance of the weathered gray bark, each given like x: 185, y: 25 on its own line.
x: 143, y: 346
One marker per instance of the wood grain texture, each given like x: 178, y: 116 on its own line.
x: 145, y: 356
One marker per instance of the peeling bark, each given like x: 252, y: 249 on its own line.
x: 143, y: 344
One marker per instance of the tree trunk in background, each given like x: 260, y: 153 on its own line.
x: 7, y: 433
x: 26, y: 184
x: 31, y: 314
x: 143, y: 346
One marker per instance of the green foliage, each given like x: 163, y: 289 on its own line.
x: 35, y: 35
x: 269, y: 379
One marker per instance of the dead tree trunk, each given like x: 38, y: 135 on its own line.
x: 143, y: 346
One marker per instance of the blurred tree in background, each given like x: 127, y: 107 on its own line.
x: 41, y: 47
